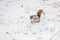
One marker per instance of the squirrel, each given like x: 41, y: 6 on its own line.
x: 36, y: 18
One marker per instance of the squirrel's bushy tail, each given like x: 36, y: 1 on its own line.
x: 39, y: 13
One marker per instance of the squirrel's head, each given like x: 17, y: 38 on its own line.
x: 32, y: 16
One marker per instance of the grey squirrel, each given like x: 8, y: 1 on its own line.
x: 36, y: 18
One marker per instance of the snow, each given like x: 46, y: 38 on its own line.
x: 16, y: 25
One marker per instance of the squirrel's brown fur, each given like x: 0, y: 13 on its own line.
x: 39, y: 13
x: 36, y: 18
x: 31, y: 17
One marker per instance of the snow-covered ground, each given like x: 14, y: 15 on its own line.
x: 15, y: 23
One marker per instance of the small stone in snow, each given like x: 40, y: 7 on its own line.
x: 21, y: 5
